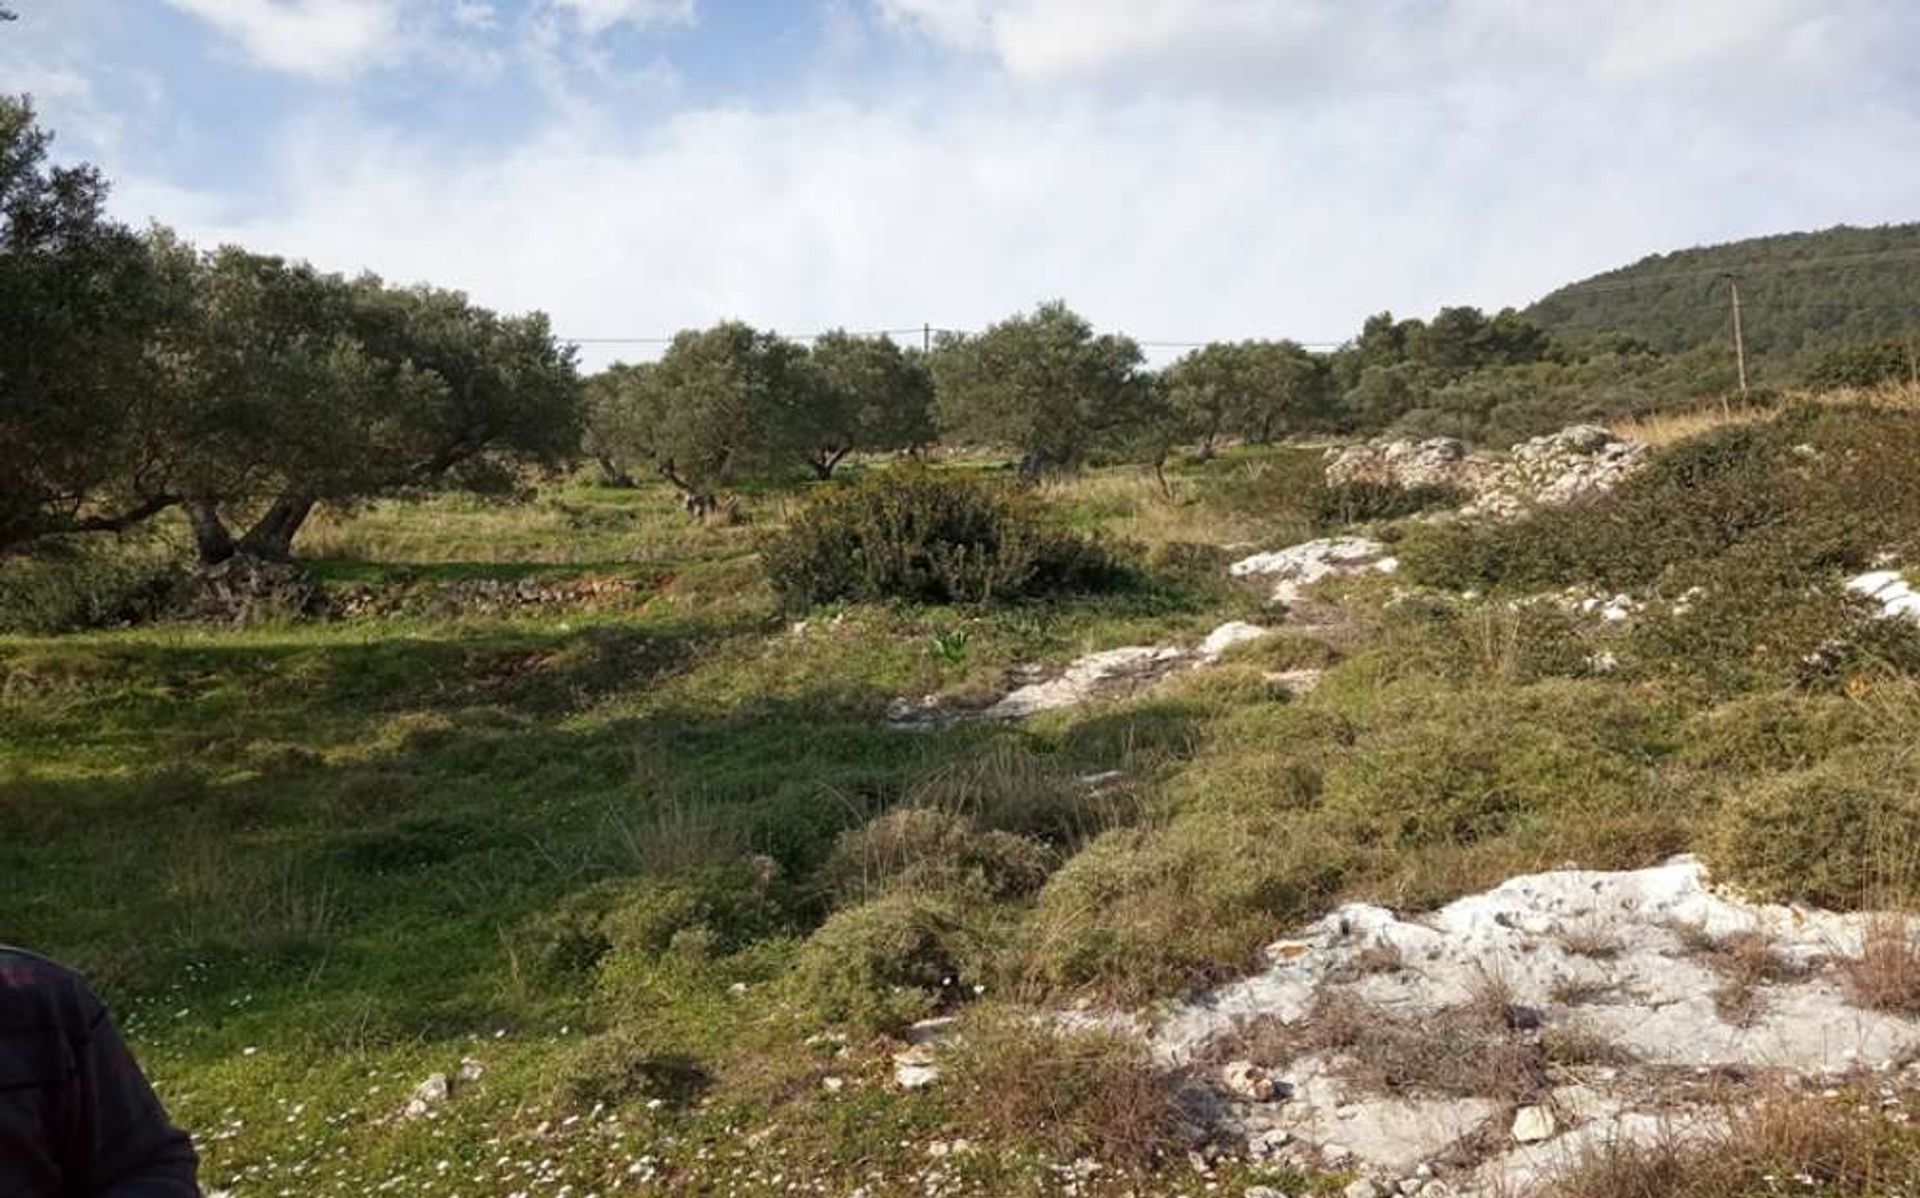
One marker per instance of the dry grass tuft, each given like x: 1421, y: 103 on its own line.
x: 1664, y: 428
x: 1886, y: 974
x: 1591, y: 939
x: 1783, y: 1143
x: 1470, y: 1050
x: 1746, y: 962
x: 1080, y: 1092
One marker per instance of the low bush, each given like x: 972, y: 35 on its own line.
x: 917, y: 536
x: 887, y: 962
x: 1340, y: 504
x: 1146, y: 913
x: 89, y: 589
x: 1009, y: 788
x: 1079, y: 1093
x: 1469, y: 771
x: 925, y: 850
x: 1816, y: 490
x: 623, y: 1066
x: 1774, y: 731
x: 1832, y: 834
x: 726, y: 908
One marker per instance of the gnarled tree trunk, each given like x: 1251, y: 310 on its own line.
x: 212, y: 543
x: 271, y: 536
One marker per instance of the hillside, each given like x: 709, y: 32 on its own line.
x: 1801, y: 294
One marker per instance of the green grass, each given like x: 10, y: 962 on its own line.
x: 593, y: 844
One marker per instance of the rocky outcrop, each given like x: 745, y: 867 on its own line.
x: 1108, y: 674
x: 1400, y: 462
x: 1609, y: 1007
x: 1562, y: 467
x: 1297, y: 567
x: 1890, y: 590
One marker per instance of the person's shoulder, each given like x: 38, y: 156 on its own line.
x: 26, y: 976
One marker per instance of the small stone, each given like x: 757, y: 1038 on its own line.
x: 1532, y: 1124
x: 1361, y: 1188
x: 833, y: 1085
x: 1336, y: 1154
x: 471, y: 1070
x: 1250, y: 1082
x: 1262, y: 1192
x: 427, y: 1095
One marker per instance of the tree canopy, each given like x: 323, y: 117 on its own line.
x: 1044, y: 383
x: 139, y: 374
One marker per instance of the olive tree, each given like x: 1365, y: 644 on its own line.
x: 307, y: 388
x: 81, y: 444
x: 1044, y: 383
x: 721, y: 403
x: 871, y: 395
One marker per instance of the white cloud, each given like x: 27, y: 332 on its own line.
x: 1301, y: 47
x: 596, y: 16
x: 321, y: 39
x: 1174, y: 208
x: 474, y: 14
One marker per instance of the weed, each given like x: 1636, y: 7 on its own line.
x: 1080, y: 1093
x: 1886, y: 974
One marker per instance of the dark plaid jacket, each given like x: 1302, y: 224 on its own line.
x: 77, y: 1117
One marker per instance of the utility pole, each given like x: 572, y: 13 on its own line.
x: 926, y: 338
x: 1739, y: 342
x: 1913, y: 363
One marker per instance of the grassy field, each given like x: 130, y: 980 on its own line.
x: 630, y: 849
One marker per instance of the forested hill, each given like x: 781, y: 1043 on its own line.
x: 1801, y: 294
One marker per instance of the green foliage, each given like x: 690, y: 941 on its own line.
x: 925, y: 850
x: 1044, y: 384
x: 79, y: 301
x: 624, y: 1065
x: 1869, y: 365
x: 725, y: 908
x: 721, y: 404
x: 1813, y: 491
x: 912, y: 534
x: 1838, y: 834
x: 1470, y: 771
x: 1803, y: 294
x: 887, y: 962
x: 1339, y: 504
x: 68, y: 591
x: 295, y: 388
x: 1149, y: 912
x: 873, y: 397
x: 138, y: 375
x: 1259, y: 390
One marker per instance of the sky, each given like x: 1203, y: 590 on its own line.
x: 1180, y: 170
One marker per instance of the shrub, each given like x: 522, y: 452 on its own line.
x: 925, y: 850
x: 1468, y: 771
x: 913, y: 535
x: 1829, y: 834
x: 1772, y: 732
x: 1145, y: 913
x: 1009, y: 788
x: 1339, y: 504
x: 725, y: 908
x: 1079, y: 1093
x: 623, y: 1066
x: 881, y: 965
x: 1813, y: 491
x: 68, y: 593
